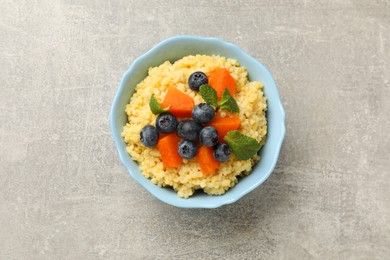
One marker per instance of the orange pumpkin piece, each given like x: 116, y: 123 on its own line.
x: 220, y: 79
x: 206, y: 160
x: 168, y: 150
x: 225, y: 124
x: 181, y: 103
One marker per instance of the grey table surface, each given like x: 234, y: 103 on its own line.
x: 65, y: 195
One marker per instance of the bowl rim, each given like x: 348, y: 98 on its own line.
x: 123, y: 155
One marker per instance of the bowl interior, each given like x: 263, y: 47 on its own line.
x: 172, y: 50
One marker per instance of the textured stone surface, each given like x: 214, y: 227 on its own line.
x: 65, y: 195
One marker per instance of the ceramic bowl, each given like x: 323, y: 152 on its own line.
x: 174, y: 49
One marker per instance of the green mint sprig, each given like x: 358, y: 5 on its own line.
x: 209, y: 95
x: 155, y: 107
x: 243, y: 146
x: 227, y: 102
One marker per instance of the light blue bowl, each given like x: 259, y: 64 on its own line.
x: 173, y: 49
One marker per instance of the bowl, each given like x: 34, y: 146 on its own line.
x: 173, y: 49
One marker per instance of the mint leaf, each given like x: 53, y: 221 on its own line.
x: 155, y: 106
x: 209, y: 95
x: 243, y: 146
x: 228, y: 102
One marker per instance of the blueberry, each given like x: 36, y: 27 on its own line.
x: 187, y: 149
x: 203, y: 113
x: 196, y: 80
x: 221, y: 152
x: 149, y: 136
x: 208, y: 136
x: 189, y: 130
x: 166, y: 123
